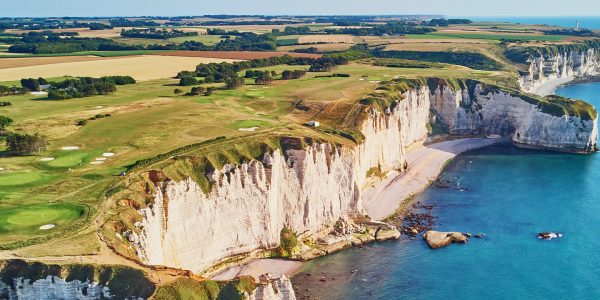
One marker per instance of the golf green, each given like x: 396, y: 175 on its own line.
x: 30, y: 217
x: 69, y: 160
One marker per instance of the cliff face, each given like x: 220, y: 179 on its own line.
x: 565, y: 65
x: 496, y: 112
x: 249, y: 204
x: 52, y: 287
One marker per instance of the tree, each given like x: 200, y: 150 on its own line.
x: 25, y: 144
x: 4, y: 122
x: 187, y: 81
x: 264, y: 78
x: 31, y: 84
x: 234, y: 83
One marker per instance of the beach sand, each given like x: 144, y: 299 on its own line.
x: 424, y: 165
x: 551, y: 85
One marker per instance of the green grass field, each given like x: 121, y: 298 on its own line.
x: 95, y: 53
x: 202, y: 38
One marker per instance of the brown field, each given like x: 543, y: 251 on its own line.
x: 199, y: 30
x: 436, y: 45
x: 83, y: 32
x: 261, y: 28
x: 236, y: 54
x: 327, y: 38
x: 6, y: 63
x: 142, y: 68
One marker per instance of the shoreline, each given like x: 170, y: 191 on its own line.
x: 426, y: 162
x: 551, y: 85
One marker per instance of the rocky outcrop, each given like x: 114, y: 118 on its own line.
x: 560, y: 63
x: 437, y: 239
x: 273, y: 287
x: 309, y: 189
x: 52, y: 287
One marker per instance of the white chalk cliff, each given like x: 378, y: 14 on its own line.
x: 561, y: 67
x: 52, y: 287
x: 246, y: 210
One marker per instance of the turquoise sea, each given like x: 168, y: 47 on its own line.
x: 509, y: 194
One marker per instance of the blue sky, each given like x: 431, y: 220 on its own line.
x: 296, y: 7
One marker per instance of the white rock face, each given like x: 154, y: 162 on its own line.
x: 272, y: 287
x: 566, y: 65
x: 52, y: 288
x: 250, y: 204
x: 499, y: 113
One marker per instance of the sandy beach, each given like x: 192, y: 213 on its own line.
x: 424, y: 165
x: 258, y: 267
x: 551, y: 85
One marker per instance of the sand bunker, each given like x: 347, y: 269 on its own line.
x: 248, y: 129
x: 47, y: 226
x: 374, y: 81
x: 108, y: 154
x: 1, y: 169
x: 70, y: 148
x: 46, y: 158
x: 101, y: 158
x: 99, y: 106
x: 97, y: 162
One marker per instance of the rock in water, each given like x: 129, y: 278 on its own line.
x: 437, y: 239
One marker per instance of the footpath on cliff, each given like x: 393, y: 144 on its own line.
x: 425, y: 162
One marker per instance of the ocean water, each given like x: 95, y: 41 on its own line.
x: 509, y: 194
x: 584, y: 22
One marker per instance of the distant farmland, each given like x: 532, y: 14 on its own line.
x: 237, y: 54
x: 145, y: 67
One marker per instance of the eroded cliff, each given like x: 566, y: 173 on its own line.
x: 560, y: 63
x: 307, y: 188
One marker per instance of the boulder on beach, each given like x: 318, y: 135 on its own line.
x: 438, y: 239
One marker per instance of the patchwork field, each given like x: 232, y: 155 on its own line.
x: 236, y: 54
x: 146, y: 67
x: 83, y: 32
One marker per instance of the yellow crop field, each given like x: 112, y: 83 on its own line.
x: 144, y: 67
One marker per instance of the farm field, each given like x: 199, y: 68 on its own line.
x: 145, y: 67
x: 319, y: 47
x: 7, y: 63
x: 236, y: 54
x: 83, y: 32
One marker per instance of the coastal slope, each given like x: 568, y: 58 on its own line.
x: 307, y: 187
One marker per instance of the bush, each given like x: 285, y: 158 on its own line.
x: 187, y: 81
x: 234, y: 83
x: 288, y: 242
x: 82, y: 122
x: 5, y: 103
x: 177, y: 91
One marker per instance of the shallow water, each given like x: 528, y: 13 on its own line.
x: 512, y: 194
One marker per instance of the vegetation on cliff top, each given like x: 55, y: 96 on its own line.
x: 186, y: 288
x: 521, y: 54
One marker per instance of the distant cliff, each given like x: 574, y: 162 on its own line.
x: 198, y: 210
x: 553, y: 62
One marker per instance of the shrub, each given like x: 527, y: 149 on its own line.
x: 187, y: 81
x: 177, y: 91
x: 82, y: 122
x: 288, y: 241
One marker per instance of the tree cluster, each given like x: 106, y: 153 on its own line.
x: 10, y: 90
x: 446, y: 22
x: 154, y: 33
x: 123, y: 22
x: 292, y: 30
x: 24, y: 144
x: 200, y: 91
x: 78, y: 87
x: 294, y: 74
x: 390, y: 28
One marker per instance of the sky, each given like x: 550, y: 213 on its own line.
x: 43, y: 8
